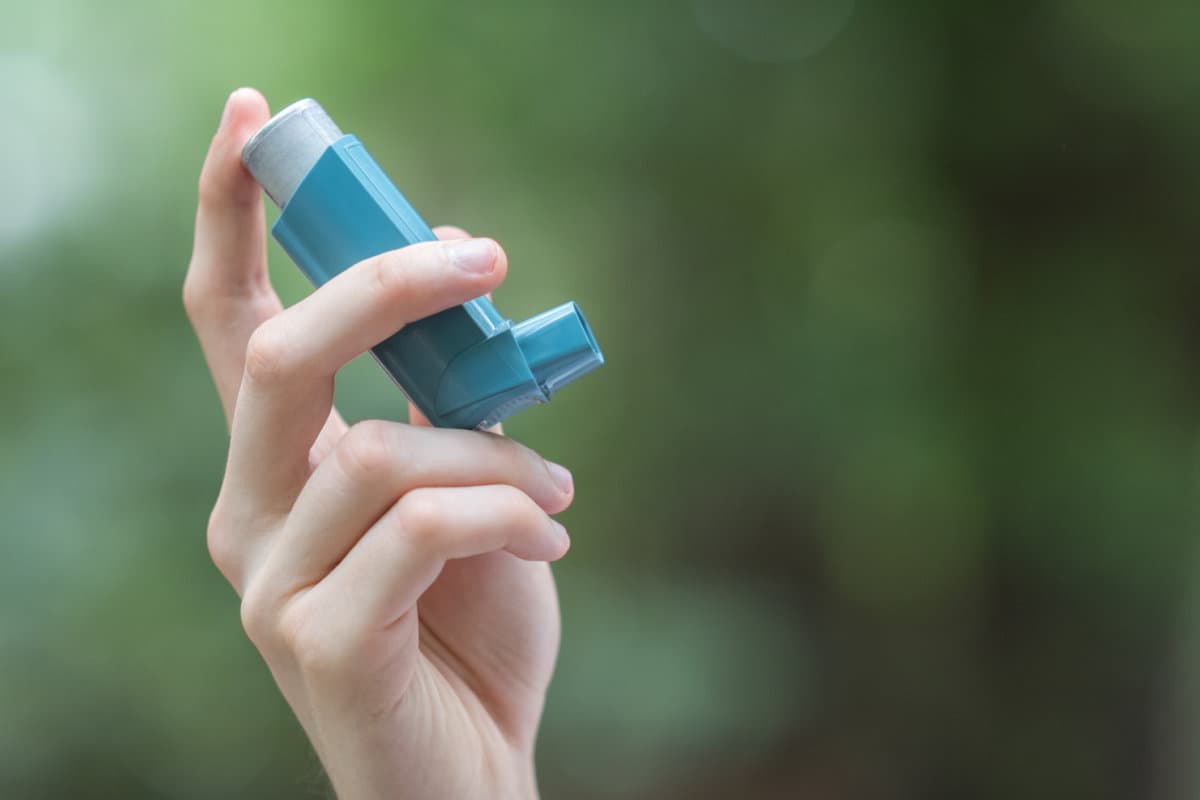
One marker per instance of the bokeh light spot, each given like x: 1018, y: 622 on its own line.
x: 49, y: 157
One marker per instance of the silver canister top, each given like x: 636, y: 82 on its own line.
x: 282, y: 152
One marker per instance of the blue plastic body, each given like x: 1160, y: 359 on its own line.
x: 465, y: 367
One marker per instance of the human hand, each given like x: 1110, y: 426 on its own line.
x: 394, y: 577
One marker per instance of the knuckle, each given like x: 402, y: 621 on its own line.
x: 194, y: 299
x: 317, y: 651
x: 267, y: 353
x: 400, y: 273
x: 220, y: 538
x: 501, y: 447
x: 389, y: 273
x: 527, y: 468
x: 295, y: 632
x: 321, y: 656
x: 365, y: 450
x: 516, y: 507
x: 536, y: 465
x: 526, y: 459
x: 258, y: 617
x: 419, y: 515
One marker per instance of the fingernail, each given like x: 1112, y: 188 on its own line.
x: 562, y: 532
x: 226, y: 110
x: 477, y: 256
x: 562, y: 476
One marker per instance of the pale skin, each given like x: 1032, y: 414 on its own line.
x: 394, y: 577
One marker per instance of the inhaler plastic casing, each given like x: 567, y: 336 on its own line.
x: 465, y: 367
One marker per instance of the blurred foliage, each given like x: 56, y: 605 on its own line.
x: 886, y: 491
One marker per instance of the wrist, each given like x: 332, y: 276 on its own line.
x: 527, y: 788
x: 514, y: 780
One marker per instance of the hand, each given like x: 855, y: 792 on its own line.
x: 393, y: 576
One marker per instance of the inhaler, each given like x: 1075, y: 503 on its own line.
x: 465, y: 367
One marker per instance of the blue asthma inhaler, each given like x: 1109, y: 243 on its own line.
x: 465, y: 367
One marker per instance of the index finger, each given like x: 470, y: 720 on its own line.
x: 287, y: 388
x: 227, y: 293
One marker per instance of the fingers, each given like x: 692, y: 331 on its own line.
x: 230, y: 213
x: 383, y: 576
x: 227, y: 293
x: 445, y: 233
x: 287, y: 386
x: 378, y: 462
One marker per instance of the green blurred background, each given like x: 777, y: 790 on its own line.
x: 888, y: 489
